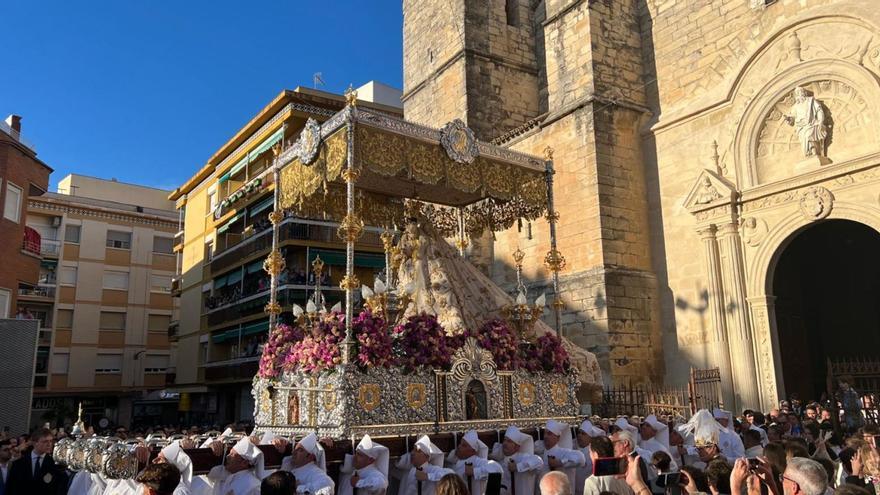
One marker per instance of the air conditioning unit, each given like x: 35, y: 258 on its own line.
x: 56, y: 221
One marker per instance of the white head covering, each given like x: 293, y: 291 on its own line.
x: 226, y: 433
x: 378, y: 452
x: 268, y: 438
x: 435, y: 455
x: 474, y: 441
x: 588, y: 428
x: 175, y: 455
x: 526, y: 442
x: 311, y: 445
x: 252, y: 453
x: 722, y: 414
x: 661, y: 429
x: 563, y: 431
x: 703, y: 427
x: 623, y: 424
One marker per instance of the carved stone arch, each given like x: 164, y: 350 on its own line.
x: 850, y: 83
x: 778, y: 44
x: 765, y: 259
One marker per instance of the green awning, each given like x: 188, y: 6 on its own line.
x: 337, y: 258
x: 255, y: 328
x: 256, y: 266
x: 234, y: 277
x: 220, y: 282
x: 224, y: 336
x: 268, y: 143
x: 261, y: 206
x: 223, y: 228
x: 225, y: 177
x: 238, y: 167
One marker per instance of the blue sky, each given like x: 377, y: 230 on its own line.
x: 147, y: 90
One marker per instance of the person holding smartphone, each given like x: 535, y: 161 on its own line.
x: 607, y: 470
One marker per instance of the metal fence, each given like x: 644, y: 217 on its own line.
x: 703, y: 391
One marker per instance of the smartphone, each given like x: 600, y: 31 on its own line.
x: 493, y: 484
x: 668, y: 479
x: 753, y: 463
x: 633, y: 454
x: 609, y: 466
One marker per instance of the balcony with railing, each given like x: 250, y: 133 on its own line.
x: 30, y: 244
x: 50, y: 248
x: 176, y: 286
x: 173, y: 331
x: 38, y: 293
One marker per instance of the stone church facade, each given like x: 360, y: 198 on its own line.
x: 686, y: 162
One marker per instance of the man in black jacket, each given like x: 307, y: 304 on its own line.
x: 36, y: 473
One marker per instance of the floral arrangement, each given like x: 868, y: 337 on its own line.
x: 374, y: 343
x: 420, y: 342
x: 319, y: 348
x: 546, y: 354
x: 281, y: 339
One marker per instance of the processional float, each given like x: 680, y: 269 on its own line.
x: 438, y: 348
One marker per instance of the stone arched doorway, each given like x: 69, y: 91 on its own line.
x: 826, y: 283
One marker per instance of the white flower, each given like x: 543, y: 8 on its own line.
x: 379, y: 286
x: 521, y: 298
x: 366, y: 292
x: 541, y: 301
x: 297, y: 310
x: 310, y: 307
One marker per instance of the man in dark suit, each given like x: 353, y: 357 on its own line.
x: 36, y: 473
x: 5, y: 464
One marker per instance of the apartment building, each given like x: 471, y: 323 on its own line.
x: 22, y: 176
x: 103, y: 298
x: 224, y: 237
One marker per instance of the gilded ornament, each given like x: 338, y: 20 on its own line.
x: 554, y: 261
x: 416, y: 395
x: 459, y: 141
x: 276, y: 217
x: 350, y: 282
x: 518, y: 257
x: 369, y: 396
x: 329, y: 398
x: 559, y: 393
x: 272, y: 308
x: 552, y: 217
x: 274, y: 263
x: 548, y: 153
x: 351, y: 228
x: 473, y: 362
x: 387, y: 240
x: 317, y: 265
x: 351, y: 96
x: 351, y: 174
x: 526, y: 394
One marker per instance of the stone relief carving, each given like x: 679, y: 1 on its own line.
x: 765, y: 355
x: 816, y: 203
x: 808, y: 119
x: 826, y: 115
x: 791, y: 51
x: 707, y: 193
x: 754, y: 230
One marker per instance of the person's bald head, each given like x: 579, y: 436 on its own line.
x: 555, y: 483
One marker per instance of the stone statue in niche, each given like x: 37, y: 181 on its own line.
x: 808, y: 119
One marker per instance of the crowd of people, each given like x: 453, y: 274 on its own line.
x: 791, y: 450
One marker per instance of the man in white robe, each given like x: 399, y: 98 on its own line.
x: 241, y: 472
x: 309, y: 467
x: 586, y: 433
x: 521, y: 465
x: 655, y: 438
x: 728, y: 441
x: 365, y: 472
x: 558, y: 453
x: 472, y: 463
x: 427, y: 469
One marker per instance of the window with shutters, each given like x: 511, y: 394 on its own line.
x: 116, y: 280
x: 108, y: 363
x: 12, y: 207
x: 112, y: 321
x: 118, y: 240
x: 67, y: 275
x: 158, y: 323
x: 156, y: 363
x: 160, y: 283
x: 71, y: 233
x: 5, y: 298
x: 64, y: 318
x: 60, y: 363
x: 163, y: 245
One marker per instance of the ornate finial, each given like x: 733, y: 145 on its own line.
x: 276, y: 149
x: 548, y: 153
x: 716, y: 159
x: 274, y: 263
x: 276, y: 216
x: 351, y: 96
x: 518, y: 257
x: 351, y: 228
x: 554, y: 261
x: 272, y: 308
x: 317, y: 266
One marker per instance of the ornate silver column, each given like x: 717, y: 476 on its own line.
x: 274, y: 263
x: 351, y: 227
x: 554, y: 261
